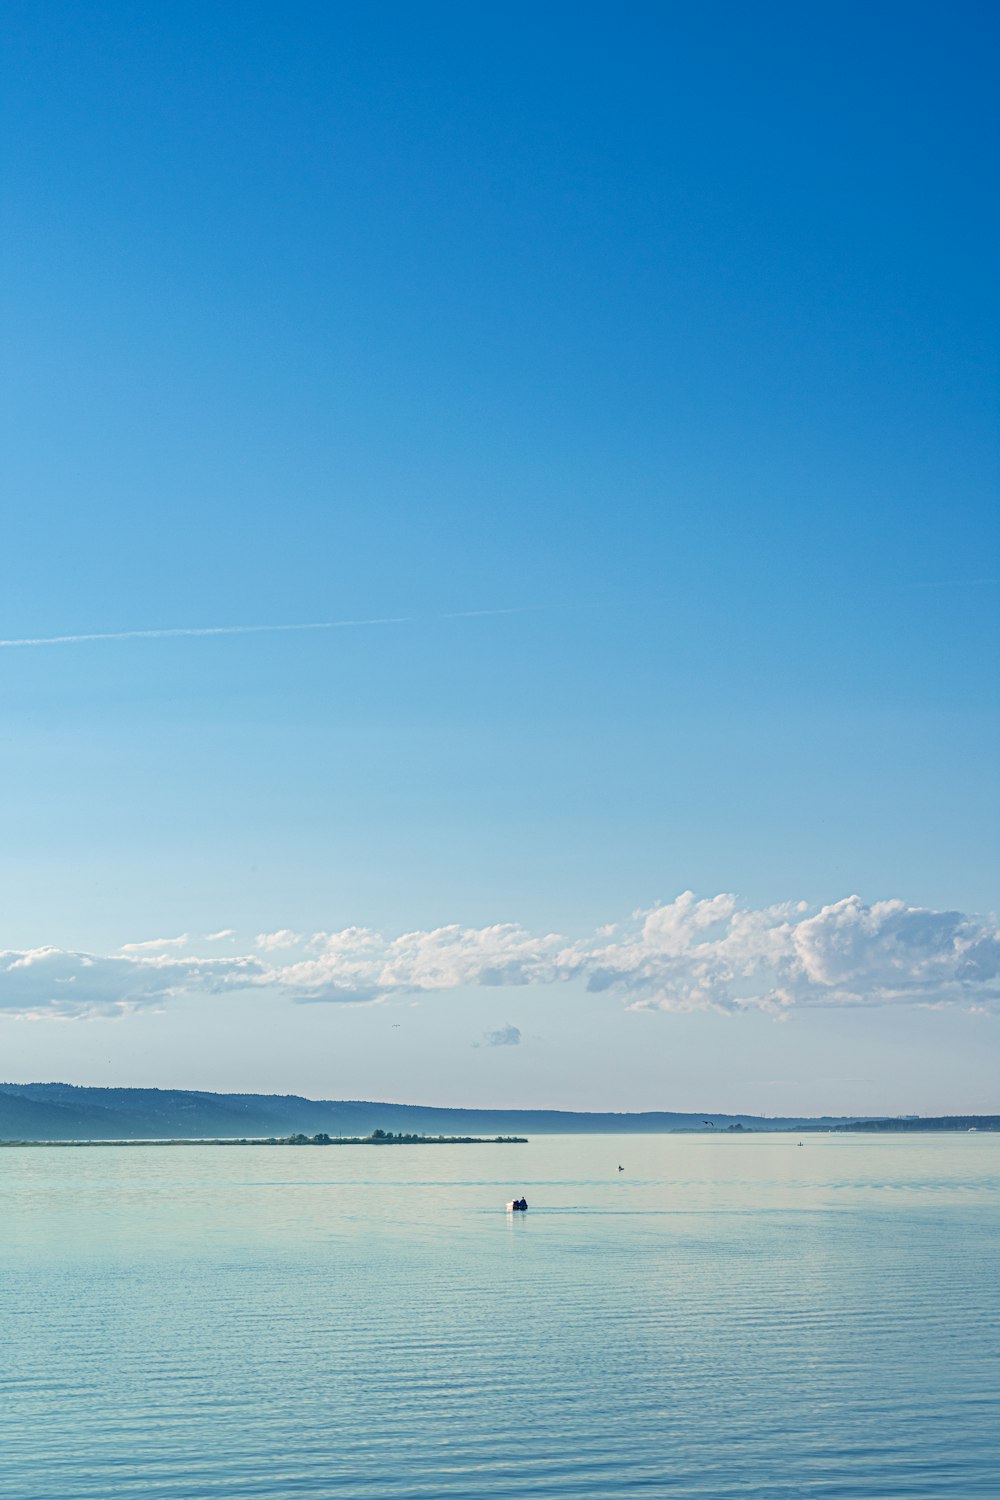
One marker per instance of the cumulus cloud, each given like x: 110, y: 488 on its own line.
x: 445, y: 958
x: 693, y: 953
x: 47, y: 981
x: 713, y: 954
x: 272, y: 942
x: 504, y: 1036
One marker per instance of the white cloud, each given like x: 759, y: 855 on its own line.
x: 716, y: 955
x: 358, y: 963
x: 223, y: 935
x: 52, y: 981
x: 153, y: 945
x: 688, y: 954
x: 272, y: 942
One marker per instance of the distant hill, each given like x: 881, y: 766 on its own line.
x: 62, y: 1111
x: 928, y: 1122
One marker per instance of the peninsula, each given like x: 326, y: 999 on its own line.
x: 377, y: 1138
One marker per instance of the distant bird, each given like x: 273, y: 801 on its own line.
x: 621, y: 1169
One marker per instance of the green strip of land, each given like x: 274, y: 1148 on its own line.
x: 377, y: 1138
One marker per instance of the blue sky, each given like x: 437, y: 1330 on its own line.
x: 640, y: 365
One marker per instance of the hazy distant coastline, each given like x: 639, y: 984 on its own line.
x: 49, y: 1112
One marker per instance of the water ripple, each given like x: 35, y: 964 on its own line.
x: 723, y: 1323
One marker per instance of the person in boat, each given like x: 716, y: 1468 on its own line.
x: 522, y: 1203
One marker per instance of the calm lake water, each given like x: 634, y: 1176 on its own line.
x: 728, y: 1317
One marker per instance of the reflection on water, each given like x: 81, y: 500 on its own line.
x: 728, y: 1317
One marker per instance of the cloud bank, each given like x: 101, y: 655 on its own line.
x: 709, y: 953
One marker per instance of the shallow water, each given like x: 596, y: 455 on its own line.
x: 728, y: 1317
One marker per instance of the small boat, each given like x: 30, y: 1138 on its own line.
x: 518, y: 1206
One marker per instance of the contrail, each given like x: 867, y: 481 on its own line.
x: 187, y: 630
x: 952, y: 583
